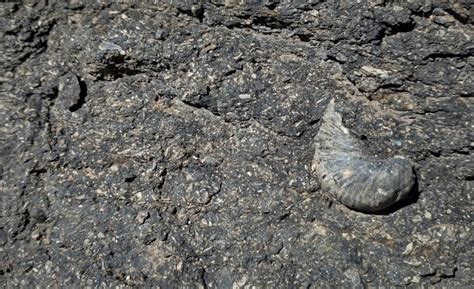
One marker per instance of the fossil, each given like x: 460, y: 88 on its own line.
x: 354, y: 178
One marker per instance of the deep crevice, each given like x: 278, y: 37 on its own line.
x: 82, y: 96
x: 446, y: 55
x: 304, y: 37
x: 201, y: 106
x: 457, y: 16
x: 333, y: 58
x: 114, y: 72
x: 270, y: 22
x: 400, y: 28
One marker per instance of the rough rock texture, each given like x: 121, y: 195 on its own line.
x: 170, y: 145
x: 359, y: 180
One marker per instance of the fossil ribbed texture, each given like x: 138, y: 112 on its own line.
x: 355, y: 179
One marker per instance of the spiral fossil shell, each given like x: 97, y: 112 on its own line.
x: 357, y: 180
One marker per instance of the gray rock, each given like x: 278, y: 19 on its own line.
x: 69, y: 92
x: 159, y: 127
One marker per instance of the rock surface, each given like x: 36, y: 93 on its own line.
x: 171, y: 145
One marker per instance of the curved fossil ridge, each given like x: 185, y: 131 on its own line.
x: 357, y: 180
